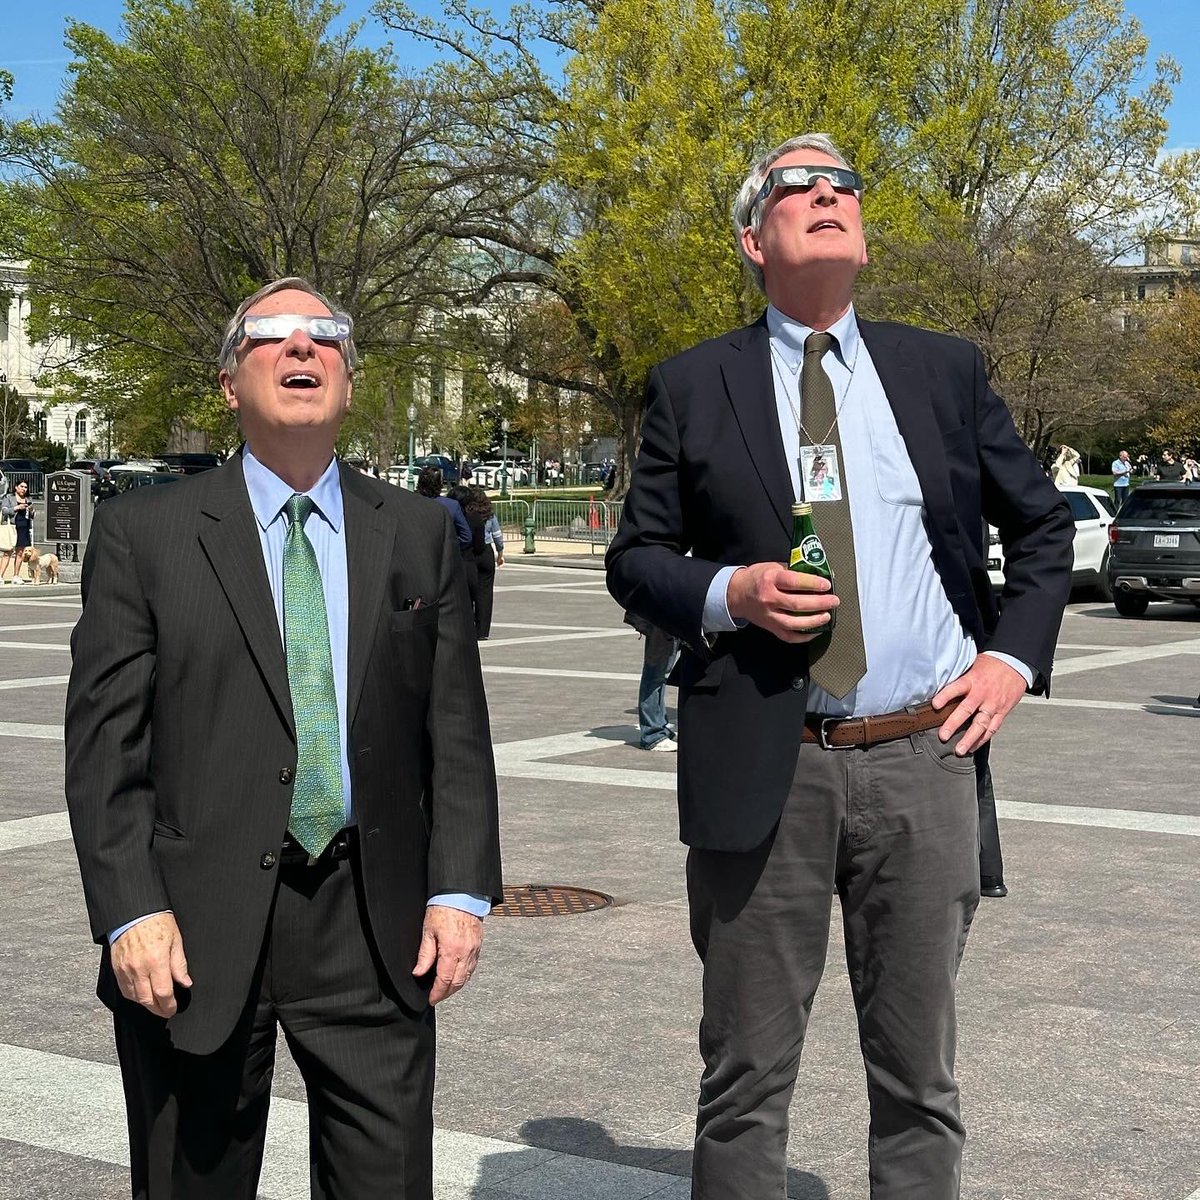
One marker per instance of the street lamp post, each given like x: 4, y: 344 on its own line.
x: 412, y: 417
x: 504, y: 460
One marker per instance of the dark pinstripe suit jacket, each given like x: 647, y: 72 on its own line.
x: 180, y: 739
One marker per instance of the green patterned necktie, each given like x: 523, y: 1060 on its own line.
x: 840, y: 661
x: 318, y: 811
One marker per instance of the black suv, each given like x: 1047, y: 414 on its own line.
x: 190, y: 464
x: 1154, y: 547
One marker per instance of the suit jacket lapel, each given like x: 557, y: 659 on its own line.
x: 369, y: 551
x: 230, y: 540
x: 751, y: 390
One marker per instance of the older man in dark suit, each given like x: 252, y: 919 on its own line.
x: 280, y: 783
x: 816, y: 756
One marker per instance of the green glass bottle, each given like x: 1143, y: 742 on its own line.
x: 808, y: 555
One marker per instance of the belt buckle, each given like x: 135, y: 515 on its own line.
x: 823, y: 734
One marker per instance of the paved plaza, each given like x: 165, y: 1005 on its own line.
x: 568, y: 1068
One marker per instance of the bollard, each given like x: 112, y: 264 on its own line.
x: 530, y: 548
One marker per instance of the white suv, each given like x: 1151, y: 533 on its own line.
x: 1093, y: 511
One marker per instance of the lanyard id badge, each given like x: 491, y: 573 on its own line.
x: 820, y: 473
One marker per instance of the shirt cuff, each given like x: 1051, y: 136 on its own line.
x: 116, y: 933
x: 468, y: 902
x: 1017, y: 665
x: 716, y: 618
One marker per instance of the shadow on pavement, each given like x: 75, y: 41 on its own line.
x: 586, y: 1139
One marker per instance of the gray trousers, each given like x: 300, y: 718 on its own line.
x: 894, y: 828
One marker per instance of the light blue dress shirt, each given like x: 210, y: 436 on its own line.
x: 325, y: 528
x: 909, y: 659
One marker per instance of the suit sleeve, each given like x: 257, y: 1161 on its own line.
x: 648, y: 567
x: 1036, y: 530
x: 110, y: 796
x: 464, y: 840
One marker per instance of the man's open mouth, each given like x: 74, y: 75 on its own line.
x: 824, y: 225
x: 300, y: 379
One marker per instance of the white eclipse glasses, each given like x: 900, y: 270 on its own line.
x: 277, y: 326
x: 802, y: 178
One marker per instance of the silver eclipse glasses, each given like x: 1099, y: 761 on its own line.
x: 277, y: 326
x: 841, y: 179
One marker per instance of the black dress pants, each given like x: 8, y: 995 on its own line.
x: 485, y: 565
x: 197, y: 1123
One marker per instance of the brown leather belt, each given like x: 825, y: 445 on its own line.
x: 847, y: 733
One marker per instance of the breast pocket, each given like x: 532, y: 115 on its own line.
x: 411, y: 619
x: 895, y: 479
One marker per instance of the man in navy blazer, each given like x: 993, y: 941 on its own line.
x: 817, y: 756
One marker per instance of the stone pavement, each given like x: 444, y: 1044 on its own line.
x: 568, y: 1068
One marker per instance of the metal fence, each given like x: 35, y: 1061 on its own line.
x: 35, y: 479
x: 555, y: 522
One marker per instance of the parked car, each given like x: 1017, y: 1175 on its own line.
x: 398, y: 473
x: 1093, y: 511
x: 1154, y: 547
x: 128, y: 481
x: 489, y: 474
x: 30, y: 470
x: 85, y: 466
x: 191, y: 464
x: 447, y: 466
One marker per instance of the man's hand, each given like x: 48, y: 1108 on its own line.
x: 451, y: 939
x: 987, y: 693
x: 792, y: 605
x: 148, y: 961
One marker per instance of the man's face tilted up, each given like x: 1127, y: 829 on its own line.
x: 290, y: 384
x: 808, y: 236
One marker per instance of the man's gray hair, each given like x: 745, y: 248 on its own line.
x: 748, y: 215
x: 293, y: 283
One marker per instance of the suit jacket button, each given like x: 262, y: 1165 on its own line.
x: 798, y: 684
x: 285, y: 775
x: 268, y: 860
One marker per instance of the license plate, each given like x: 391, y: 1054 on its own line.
x: 1166, y: 541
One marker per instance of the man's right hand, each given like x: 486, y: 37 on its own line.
x: 148, y: 962
x: 792, y: 605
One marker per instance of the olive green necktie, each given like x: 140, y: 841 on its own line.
x: 837, y: 662
x: 318, y: 811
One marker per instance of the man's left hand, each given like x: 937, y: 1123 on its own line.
x: 450, y: 942
x: 986, y: 694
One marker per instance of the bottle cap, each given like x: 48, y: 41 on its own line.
x: 801, y: 510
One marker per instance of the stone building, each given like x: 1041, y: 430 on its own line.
x: 24, y: 365
x: 1168, y: 264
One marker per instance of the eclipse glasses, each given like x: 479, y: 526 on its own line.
x: 336, y: 328
x: 841, y: 179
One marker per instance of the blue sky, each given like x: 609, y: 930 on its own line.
x: 32, y: 49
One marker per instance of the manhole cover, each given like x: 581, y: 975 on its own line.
x: 548, y: 900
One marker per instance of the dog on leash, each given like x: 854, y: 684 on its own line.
x: 36, y: 563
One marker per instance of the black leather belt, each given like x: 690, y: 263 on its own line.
x: 292, y: 854
x: 847, y: 733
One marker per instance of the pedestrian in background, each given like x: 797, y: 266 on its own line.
x: 659, y: 652
x: 478, y: 507
x: 1121, y: 468
x: 16, y: 511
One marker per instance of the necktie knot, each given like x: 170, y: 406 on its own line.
x: 298, y: 509
x: 817, y: 343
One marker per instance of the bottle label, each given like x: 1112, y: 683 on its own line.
x: 809, y: 551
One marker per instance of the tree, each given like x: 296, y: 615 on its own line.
x: 218, y: 145
x: 1173, y: 372
x: 983, y: 127
x: 1036, y: 163
x: 14, y: 419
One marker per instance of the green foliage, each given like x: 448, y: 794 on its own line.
x: 221, y: 144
